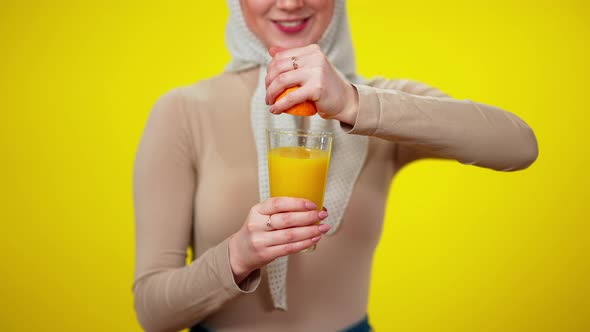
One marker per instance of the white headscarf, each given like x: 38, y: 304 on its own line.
x: 348, y: 151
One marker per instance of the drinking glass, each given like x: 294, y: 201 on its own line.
x: 298, y: 162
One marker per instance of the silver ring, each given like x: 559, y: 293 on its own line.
x: 294, y: 62
x: 268, y: 223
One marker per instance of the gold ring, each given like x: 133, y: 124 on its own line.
x: 294, y: 62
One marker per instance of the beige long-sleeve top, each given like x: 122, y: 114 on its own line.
x: 195, y: 181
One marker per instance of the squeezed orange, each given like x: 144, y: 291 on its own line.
x: 306, y: 108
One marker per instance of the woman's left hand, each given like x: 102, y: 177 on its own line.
x: 335, y: 98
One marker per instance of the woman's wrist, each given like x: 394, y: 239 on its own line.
x: 350, y: 110
x: 239, y: 270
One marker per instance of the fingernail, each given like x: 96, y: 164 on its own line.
x: 311, y: 205
x: 323, y: 215
x: 324, y: 228
x: 316, y: 239
x: 271, y: 110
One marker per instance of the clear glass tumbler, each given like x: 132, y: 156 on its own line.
x: 298, y: 163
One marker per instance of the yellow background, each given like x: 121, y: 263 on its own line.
x: 464, y: 249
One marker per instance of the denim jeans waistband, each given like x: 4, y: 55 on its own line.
x: 361, y: 326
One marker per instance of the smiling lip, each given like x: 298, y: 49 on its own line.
x: 291, y: 26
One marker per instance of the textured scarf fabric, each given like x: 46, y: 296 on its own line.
x: 348, y: 151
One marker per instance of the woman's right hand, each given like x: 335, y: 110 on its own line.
x: 293, y: 227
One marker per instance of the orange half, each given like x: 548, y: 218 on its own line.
x: 306, y: 108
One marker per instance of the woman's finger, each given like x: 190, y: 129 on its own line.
x: 274, y: 205
x: 273, y: 50
x: 295, y: 234
x: 296, y: 219
x: 298, y: 51
x: 278, y: 66
x: 284, y: 81
x: 291, y: 248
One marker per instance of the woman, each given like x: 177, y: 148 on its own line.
x: 201, y: 178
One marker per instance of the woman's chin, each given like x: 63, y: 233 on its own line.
x: 292, y: 43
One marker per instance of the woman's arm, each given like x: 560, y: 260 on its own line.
x: 169, y: 295
x: 430, y: 125
x: 433, y: 125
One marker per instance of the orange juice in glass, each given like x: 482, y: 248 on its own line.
x: 298, y: 164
